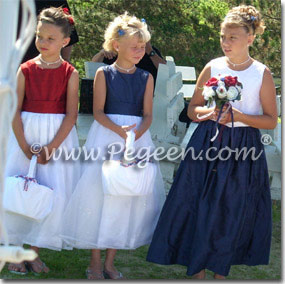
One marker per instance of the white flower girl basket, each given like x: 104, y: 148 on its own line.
x: 24, y: 196
x: 122, y: 178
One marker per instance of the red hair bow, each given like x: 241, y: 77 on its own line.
x: 67, y: 12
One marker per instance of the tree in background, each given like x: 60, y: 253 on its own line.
x: 186, y: 30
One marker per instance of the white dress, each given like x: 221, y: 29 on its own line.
x: 97, y: 221
x: 60, y: 175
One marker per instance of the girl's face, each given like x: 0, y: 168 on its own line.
x: 130, y: 49
x: 235, y: 41
x: 50, y: 39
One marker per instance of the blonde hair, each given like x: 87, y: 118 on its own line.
x: 59, y: 17
x: 247, y: 17
x: 125, y: 26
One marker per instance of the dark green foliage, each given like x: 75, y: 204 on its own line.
x: 188, y: 30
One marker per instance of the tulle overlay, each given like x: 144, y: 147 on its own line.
x: 93, y: 220
x: 61, y: 175
x: 217, y: 213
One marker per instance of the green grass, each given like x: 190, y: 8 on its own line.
x: 132, y: 263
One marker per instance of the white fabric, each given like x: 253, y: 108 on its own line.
x: 251, y: 78
x: 61, y: 175
x: 95, y: 220
x: 24, y: 196
x: 11, y: 54
x: 126, y: 177
x: 120, y: 180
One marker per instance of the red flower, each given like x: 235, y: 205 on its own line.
x: 212, y: 82
x: 66, y: 11
x: 230, y: 81
x: 71, y: 21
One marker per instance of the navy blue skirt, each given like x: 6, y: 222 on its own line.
x: 218, y: 210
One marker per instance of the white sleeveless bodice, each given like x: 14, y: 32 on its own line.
x: 251, y: 78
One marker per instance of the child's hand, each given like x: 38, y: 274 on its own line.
x: 225, y: 115
x: 109, y: 54
x: 225, y: 118
x: 123, y: 129
x: 43, y: 156
x: 237, y: 114
x: 138, y: 134
x: 27, y: 152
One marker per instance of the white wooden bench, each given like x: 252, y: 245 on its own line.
x: 273, y: 156
x: 91, y: 68
x: 188, y: 74
x: 168, y: 102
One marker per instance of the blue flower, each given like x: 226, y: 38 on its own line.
x: 253, y: 18
x: 121, y: 32
x: 143, y: 20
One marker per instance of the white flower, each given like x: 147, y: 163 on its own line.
x: 221, y: 92
x: 232, y: 93
x: 239, y: 88
x: 208, y: 93
x: 221, y: 83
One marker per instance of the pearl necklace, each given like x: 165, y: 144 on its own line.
x: 238, y: 64
x: 50, y: 63
x: 124, y: 69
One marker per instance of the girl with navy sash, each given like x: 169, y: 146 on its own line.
x: 218, y: 211
x: 122, y: 102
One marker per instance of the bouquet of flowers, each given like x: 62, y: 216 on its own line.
x: 222, y: 90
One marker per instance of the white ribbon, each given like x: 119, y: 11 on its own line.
x: 218, y: 119
x: 213, y: 105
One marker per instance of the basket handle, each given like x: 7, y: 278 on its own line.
x: 33, y: 167
x: 130, y: 141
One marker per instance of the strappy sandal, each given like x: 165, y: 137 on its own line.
x: 17, y: 268
x: 113, y: 275
x: 41, y: 266
x: 92, y: 275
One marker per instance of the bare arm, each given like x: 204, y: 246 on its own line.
x: 99, y: 57
x: 147, y: 108
x: 268, y: 120
x: 99, y: 99
x: 70, y: 117
x: 17, y: 123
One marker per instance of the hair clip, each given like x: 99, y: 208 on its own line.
x: 253, y: 18
x: 143, y: 20
x: 66, y: 11
x: 121, y: 32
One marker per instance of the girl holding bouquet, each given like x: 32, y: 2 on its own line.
x: 218, y: 211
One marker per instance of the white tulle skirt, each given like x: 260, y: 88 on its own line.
x: 61, y: 175
x: 97, y: 221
